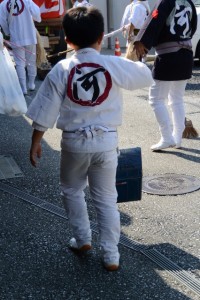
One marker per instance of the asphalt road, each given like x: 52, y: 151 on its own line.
x: 35, y: 262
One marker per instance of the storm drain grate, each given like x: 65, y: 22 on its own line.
x: 9, y: 168
x: 56, y: 210
x: 173, y: 269
x: 151, y: 253
x: 170, y: 184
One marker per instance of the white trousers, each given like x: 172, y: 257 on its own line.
x: 25, y: 58
x: 100, y: 171
x: 173, y: 91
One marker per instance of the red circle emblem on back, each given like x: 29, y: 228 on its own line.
x: 89, y: 84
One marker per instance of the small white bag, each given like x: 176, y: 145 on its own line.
x: 12, y: 101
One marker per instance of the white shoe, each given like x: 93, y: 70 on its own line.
x: 111, y: 267
x: 31, y: 87
x: 112, y: 263
x: 178, y: 141
x: 178, y: 146
x: 79, y: 250
x: 162, y: 145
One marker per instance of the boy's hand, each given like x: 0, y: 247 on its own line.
x: 141, y: 50
x: 35, y: 152
x: 36, y: 148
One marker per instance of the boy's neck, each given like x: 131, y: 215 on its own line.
x: 95, y: 46
x: 97, y: 49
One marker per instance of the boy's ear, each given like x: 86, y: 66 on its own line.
x: 66, y: 40
x: 70, y: 43
x: 100, y: 39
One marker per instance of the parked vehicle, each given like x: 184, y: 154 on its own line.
x: 51, y: 27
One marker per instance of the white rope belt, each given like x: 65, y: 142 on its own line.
x: 88, y: 132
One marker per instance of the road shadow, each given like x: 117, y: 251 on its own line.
x: 187, y: 153
x: 35, y: 261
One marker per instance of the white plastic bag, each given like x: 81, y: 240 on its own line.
x: 12, y: 101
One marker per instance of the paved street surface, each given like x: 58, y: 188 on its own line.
x: 35, y: 262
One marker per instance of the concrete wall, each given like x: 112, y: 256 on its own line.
x: 116, y: 11
x: 112, y: 11
x: 102, y: 5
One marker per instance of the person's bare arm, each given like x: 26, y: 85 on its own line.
x: 36, y: 148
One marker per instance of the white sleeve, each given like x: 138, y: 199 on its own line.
x: 138, y: 16
x: 3, y: 19
x: 45, y: 107
x: 39, y: 127
x: 131, y: 75
x: 35, y: 11
x: 125, y: 17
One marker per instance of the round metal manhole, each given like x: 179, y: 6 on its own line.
x: 170, y: 184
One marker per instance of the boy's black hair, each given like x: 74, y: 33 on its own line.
x: 83, y: 26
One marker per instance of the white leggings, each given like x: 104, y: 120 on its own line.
x: 174, y: 92
x: 100, y: 170
x: 25, y: 57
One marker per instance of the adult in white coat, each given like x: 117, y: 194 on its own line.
x: 127, y: 14
x: 17, y: 20
x: 138, y: 14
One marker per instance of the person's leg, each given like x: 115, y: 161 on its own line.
x: 157, y: 96
x: 176, y: 103
x: 102, y: 183
x: 20, y: 61
x: 73, y: 180
x: 31, y: 66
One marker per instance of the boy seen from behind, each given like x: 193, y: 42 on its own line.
x: 82, y: 94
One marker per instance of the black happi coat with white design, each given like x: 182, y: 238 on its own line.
x: 170, y: 21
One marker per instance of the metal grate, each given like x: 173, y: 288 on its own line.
x: 9, y: 168
x: 155, y: 256
x: 173, y: 269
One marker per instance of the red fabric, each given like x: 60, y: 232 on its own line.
x: 155, y: 14
x: 47, y: 5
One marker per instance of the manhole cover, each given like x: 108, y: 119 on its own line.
x: 170, y: 184
x: 9, y: 168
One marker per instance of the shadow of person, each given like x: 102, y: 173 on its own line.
x: 195, y: 158
x: 195, y: 151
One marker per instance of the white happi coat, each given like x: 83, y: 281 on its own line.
x: 85, y: 91
x: 139, y: 13
x: 127, y: 14
x: 19, y: 25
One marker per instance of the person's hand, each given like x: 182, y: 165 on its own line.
x: 35, y: 152
x: 140, y: 49
x: 130, y: 38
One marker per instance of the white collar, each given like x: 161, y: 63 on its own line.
x: 86, y: 50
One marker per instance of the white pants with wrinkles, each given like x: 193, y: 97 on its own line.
x: 25, y: 58
x: 173, y: 91
x: 100, y: 171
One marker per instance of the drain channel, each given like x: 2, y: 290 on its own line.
x: 173, y: 269
x: 155, y: 256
